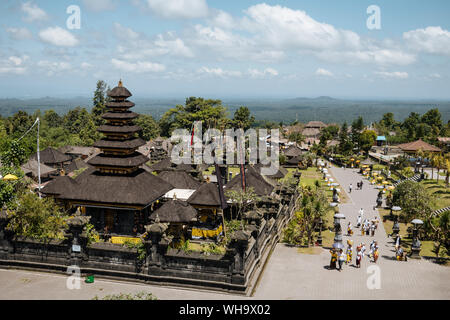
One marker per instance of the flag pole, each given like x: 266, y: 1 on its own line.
x: 38, y: 160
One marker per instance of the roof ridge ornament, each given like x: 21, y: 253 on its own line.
x: 120, y: 83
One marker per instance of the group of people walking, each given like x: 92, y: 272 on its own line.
x: 339, y: 258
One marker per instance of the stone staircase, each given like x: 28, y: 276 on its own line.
x: 415, y: 178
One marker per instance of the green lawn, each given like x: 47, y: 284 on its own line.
x: 427, y: 246
x: 439, y: 191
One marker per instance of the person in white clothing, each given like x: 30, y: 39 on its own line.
x: 361, y: 213
x: 358, y: 222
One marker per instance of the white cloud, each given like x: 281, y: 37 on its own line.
x: 274, y: 33
x: 14, y: 65
x: 33, y: 12
x: 222, y: 19
x: 179, y: 9
x: 255, y: 73
x: 86, y: 65
x: 431, y: 40
x: 219, y: 72
x: 19, y: 33
x: 136, y: 46
x: 283, y: 27
x: 123, y: 33
x: 54, y: 67
x: 59, y: 37
x: 324, y: 72
x: 377, y: 56
x: 392, y: 75
x: 137, y: 67
x: 100, y: 5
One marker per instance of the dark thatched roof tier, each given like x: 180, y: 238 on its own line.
x: 31, y: 166
x: 180, y: 179
x: 117, y: 144
x: 206, y: 195
x: 175, y: 211
x: 120, y: 115
x: 60, y: 184
x: 134, y: 160
x: 76, y: 165
x: 120, y: 104
x: 119, y: 92
x: 280, y: 173
x: 167, y: 164
x: 292, y: 151
x: 294, y: 160
x: 51, y: 156
x: 137, y: 189
x: 253, y: 180
x: 119, y: 129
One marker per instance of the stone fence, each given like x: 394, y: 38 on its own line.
x: 235, y: 271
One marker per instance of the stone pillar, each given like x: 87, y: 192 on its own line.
x: 77, y: 239
x: 6, y: 246
x: 239, y: 242
x: 156, y: 245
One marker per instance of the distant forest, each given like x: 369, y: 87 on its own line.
x: 326, y: 109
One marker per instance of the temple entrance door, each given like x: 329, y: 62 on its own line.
x: 109, y: 219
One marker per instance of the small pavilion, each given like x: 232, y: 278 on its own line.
x: 415, y: 146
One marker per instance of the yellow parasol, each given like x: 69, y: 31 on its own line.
x: 391, y: 187
x: 375, y: 174
x: 385, y: 182
x: 365, y: 166
x: 10, y: 177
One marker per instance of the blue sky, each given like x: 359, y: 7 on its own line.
x: 225, y: 49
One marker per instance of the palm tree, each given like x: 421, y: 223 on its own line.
x: 434, y: 164
x: 447, y: 175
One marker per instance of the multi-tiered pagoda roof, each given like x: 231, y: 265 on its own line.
x: 117, y: 179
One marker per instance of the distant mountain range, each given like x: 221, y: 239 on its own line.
x: 324, y: 108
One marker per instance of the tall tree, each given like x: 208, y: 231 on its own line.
x: 242, y: 118
x: 367, y: 140
x: 150, y: 128
x: 357, y: 127
x: 345, y: 144
x: 52, y: 119
x: 210, y: 112
x: 99, y: 102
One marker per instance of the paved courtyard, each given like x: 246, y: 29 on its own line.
x: 287, y: 275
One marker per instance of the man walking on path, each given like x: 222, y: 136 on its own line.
x: 342, y: 259
x: 350, y: 188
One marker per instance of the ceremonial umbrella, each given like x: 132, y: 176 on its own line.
x: 10, y: 177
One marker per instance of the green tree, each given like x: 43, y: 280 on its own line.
x: 388, y: 120
x: 210, y: 112
x: 13, y: 154
x: 150, y: 128
x: 243, y: 118
x: 357, y: 127
x: 367, y: 140
x: 19, y: 123
x: 78, y: 121
x: 40, y: 219
x: 345, y: 144
x: 414, y: 200
x: 242, y: 200
x: 52, y: 119
x: 99, y: 102
x: 9, y: 189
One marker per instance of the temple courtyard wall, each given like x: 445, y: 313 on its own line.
x: 236, y: 271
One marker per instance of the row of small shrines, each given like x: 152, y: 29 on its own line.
x: 189, y: 202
